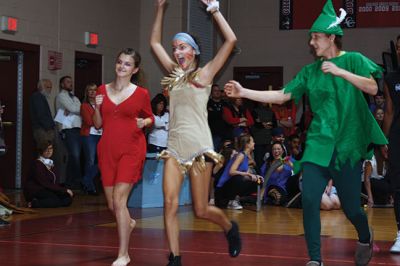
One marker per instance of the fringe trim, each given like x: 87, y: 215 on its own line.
x: 197, y: 160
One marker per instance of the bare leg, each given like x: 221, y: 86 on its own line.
x: 200, y: 182
x: 172, y: 183
x: 117, y: 198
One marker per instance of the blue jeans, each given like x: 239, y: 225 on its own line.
x: 73, y: 144
x: 91, y: 168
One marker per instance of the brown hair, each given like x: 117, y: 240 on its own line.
x: 243, y: 140
x: 138, y: 77
x: 85, y: 97
x: 42, y: 146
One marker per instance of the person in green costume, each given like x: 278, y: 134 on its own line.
x: 341, y: 132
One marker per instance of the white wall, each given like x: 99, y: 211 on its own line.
x: 60, y: 25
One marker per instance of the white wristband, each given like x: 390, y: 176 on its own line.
x: 213, y: 7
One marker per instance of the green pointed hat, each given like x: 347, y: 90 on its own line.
x: 327, y: 22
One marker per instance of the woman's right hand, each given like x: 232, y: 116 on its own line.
x: 99, y: 99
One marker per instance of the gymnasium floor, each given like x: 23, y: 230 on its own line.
x: 85, y: 234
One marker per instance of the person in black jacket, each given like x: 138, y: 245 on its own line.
x: 42, y: 189
x: 41, y: 118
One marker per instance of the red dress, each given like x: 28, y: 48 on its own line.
x: 122, y: 147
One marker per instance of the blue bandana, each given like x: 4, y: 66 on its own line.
x: 184, y: 37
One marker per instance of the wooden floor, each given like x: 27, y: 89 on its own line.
x: 85, y: 234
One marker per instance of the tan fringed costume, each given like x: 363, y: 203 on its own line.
x: 189, y: 136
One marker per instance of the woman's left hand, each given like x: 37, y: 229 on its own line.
x: 140, y: 122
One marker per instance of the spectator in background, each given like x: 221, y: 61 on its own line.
x: 277, y: 136
x: 70, y: 106
x: 379, y: 115
x: 236, y: 178
x: 90, y: 138
x: 276, y: 191
x: 285, y: 115
x: 294, y: 147
x: 238, y: 117
x: 227, y: 151
x: 262, y: 131
x: 375, y: 186
x: 41, y: 188
x: 41, y: 118
x: 379, y: 102
x: 158, y: 136
x: 330, y: 200
x: 219, y: 128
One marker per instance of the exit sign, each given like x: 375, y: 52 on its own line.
x: 91, y: 39
x: 9, y: 24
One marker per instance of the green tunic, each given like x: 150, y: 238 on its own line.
x: 342, y: 120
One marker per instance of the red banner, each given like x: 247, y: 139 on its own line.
x: 378, y: 13
x: 361, y: 13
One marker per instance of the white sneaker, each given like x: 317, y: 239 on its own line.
x: 234, y: 205
x: 211, y: 202
x: 396, y: 246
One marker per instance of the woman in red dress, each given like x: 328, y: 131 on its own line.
x: 123, y: 109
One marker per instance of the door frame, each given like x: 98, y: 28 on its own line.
x: 31, y: 69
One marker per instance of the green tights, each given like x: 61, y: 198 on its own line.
x: 348, y: 184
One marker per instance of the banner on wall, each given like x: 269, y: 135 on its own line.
x: 295, y: 14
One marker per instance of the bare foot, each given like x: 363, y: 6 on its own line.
x: 121, y: 261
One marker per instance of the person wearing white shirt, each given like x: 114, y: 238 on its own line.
x: 157, y: 139
x: 68, y: 104
x: 375, y: 184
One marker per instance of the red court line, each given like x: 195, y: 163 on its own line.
x: 189, y: 252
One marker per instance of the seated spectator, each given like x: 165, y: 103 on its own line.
x: 157, y: 139
x: 41, y: 189
x: 227, y: 151
x: 278, y: 176
x: 330, y: 200
x: 239, y: 117
x: 277, y: 136
x: 294, y: 147
x: 90, y: 138
x: 374, y: 183
x: 236, y: 178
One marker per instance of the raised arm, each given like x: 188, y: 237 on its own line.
x: 209, y: 71
x: 234, y: 89
x: 155, y: 38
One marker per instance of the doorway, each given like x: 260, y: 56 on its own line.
x: 23, y: 58
x: 259, y: 78
x: 88, y: 69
